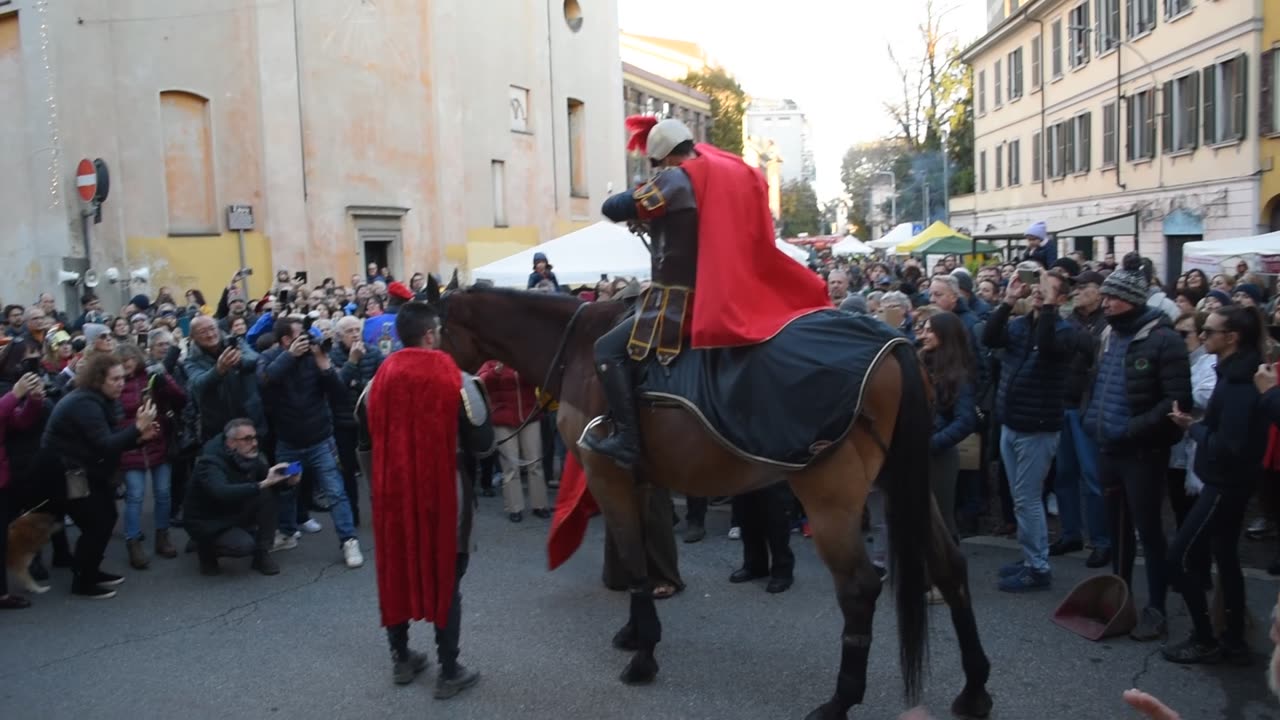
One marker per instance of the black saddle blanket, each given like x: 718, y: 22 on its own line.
x: 784, y: 400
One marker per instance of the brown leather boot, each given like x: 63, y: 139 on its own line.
x: 137, y: 555
x: 164, y: 546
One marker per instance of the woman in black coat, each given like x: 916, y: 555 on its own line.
x: 79, y: 454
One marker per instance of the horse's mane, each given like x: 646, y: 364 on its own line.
x: 524, y: 295
x: 594, y: 320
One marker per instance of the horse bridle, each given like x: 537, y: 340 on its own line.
x: 555, y: 372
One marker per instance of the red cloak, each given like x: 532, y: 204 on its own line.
x: 413, y: 422
x: 574, y: 507
x: 747, y: 289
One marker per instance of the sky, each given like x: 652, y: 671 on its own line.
x: 830, y: 56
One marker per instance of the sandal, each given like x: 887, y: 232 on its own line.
x: 664, y: 591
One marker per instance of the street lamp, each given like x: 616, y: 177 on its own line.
x: 893, y: 197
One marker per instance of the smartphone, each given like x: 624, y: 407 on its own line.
x: 295, y: 468
x: 1029, y: 277
x: 246, y: 271
x: 301, y: 276
x: 142, y: 340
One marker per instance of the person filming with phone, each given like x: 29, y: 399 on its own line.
x: 233, y: 505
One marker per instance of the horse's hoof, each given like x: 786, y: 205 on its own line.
x: 827, y: 712
x: 625, y: 639
x: 640, y: 671
x: 972, y: 704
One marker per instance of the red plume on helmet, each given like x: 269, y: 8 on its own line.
x: 638, y: 127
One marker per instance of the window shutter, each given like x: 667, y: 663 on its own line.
x: 1210, y: 91
x: 1037, y: 158
x: 1149, y: 144
x: 1098, y: 30
x: 1086, y: 141
x: 1129, y: 133
x: 1192, y: 105
x: 1266, y: 103
x: 1240, y: 101
x: 1166, y: 117
x: 1069, y: 148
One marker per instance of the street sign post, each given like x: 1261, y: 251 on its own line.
x: 86, y: 180
x: 240, y: 218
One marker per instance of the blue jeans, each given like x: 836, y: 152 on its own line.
x: 321, y: 460
x: 1027, y: 457
x: 1078, y: 460
x: 135, y: 490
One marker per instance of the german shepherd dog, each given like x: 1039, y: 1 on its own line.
x: 27, y: 534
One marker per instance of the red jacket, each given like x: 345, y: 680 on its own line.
x: 511, y: 400
x: 15, y: 414
x: 169, y: 398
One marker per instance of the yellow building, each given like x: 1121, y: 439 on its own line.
x: 1269, y: 112
x: 357, y: 132
x: 1089, y: 110
x: 647, y: 93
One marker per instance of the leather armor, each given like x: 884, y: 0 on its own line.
x: 667, y: 204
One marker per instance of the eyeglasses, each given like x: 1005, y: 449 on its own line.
x: 247, y: 438
x: 1185, y: 334
x: 1212, y: 331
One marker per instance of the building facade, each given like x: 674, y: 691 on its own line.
x: 785, y: 124
x: 1098, y: 108
x: 647, y: 93
x: 357, y: 132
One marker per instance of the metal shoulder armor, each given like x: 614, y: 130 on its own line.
x: 475, y: 402
x: 669, y: 191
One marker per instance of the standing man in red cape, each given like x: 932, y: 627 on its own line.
x: 710, y: 227
x: 421, y: 517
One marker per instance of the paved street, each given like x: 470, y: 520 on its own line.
x: 306, y: 644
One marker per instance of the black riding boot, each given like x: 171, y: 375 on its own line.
x: 623, y: 445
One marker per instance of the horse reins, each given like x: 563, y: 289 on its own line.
x: 554, y: 372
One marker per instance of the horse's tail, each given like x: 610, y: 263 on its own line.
x: 908, y: 497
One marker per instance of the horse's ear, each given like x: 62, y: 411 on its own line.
x: 433, y: 289
x: 453, y: 282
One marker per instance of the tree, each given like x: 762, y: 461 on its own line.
x: 728, y: 106
x: 800, y: 212
x: 860, y: 170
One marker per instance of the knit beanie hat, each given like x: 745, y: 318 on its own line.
x: 92, y: 331
x: 141, y: 302
x: 1128, y: 282
x: 1253, y: 291
x: 964, y: 280
x: 1221, y: 297
x: 1038, y: 230
x: 854, y: 303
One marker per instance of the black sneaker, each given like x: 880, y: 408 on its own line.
x: 1062, y: 547
x: 1193, y: 652
x: 1151, y: 626
x: 1099, y: 558
x: 106, y: 579
x: 263, y: 563
x: 405, y: 668
x: 93, y: 592
x: 461, y: 679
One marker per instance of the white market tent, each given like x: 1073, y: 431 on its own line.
x: 895, y: 237
x: 851, y: 246
x: 1211, y: 256
x: 579, y: 258
x: 793, y: 252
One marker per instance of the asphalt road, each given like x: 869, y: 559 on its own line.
x: 306, y: 644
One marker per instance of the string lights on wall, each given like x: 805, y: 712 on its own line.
x: 51, y: 100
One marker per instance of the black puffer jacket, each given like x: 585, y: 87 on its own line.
x: 1232, y: 437
x: 220, y: 487
x: 1088, y: 329
x: 82, y: 433
x: 298, y: 396
x: 354, y: 376
x: 1033, y: 367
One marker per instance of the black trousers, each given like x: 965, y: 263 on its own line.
x: 346, y: 439
x: 696, y: 512
x: 448, y: 635
x: 766, y: 531
x: 1176, y: 478
x: 180, y: 467
x: 611, y: 348
x: 254, y: 532
x: 1212, y: 527
x: 1133, y: 483
x: 95, y: 516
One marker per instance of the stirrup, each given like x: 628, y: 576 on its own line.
x: 595, y: 422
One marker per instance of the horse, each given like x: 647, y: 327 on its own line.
x: 550, y: 337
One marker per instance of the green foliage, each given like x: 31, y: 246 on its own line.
x: 800, y: 212
x: 728, y: 106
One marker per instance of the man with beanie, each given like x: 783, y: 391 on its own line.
x: 1039, y: 248
x: 1141, y: 372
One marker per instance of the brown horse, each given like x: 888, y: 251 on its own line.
x: 551, y: 338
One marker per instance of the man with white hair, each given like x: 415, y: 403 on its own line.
x: 357, y: 363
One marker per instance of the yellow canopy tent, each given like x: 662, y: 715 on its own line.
x: 935, y: 231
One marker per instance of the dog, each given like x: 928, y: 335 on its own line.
x: 27, y: 534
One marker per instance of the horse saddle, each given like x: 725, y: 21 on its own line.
x: 781, y: 402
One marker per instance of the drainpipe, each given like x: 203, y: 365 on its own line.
x: 1119, y: 99
x: 1044, y: 90
x: 551, y: 84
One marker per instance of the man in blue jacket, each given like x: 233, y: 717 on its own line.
x: 1037, y: 347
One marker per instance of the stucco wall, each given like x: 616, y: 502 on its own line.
x: 1269, y: 147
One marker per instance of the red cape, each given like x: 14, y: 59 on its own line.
x: 574, y: 507
x: 747, y: 289
x: 413, y: 421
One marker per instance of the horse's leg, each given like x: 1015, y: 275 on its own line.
x: 622, y: 503
x: 834, y: 503
x: 949, y: 572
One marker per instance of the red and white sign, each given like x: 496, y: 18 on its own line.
x: 86, y: 180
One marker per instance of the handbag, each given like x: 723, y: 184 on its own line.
x: 77, y: 480
x: 970, y: 451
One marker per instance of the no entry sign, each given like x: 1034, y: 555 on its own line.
x: 86, y: 180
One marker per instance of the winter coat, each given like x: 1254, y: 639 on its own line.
x: 354, y: 376
x: 169, y: 398
x: 1037, y: 349
x: 955, y: 423
x: 84, y: 432
x: 298, y: 396
x: 1088, y: 329
x: 16, y: 414
x: 511, y: 400
x: 1232, y: 437
x: 219, y: 490
x: 1142, y: 369
x: 223, y: 398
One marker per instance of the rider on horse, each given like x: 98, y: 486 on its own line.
x: 710, y: 227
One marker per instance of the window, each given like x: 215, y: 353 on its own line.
x: 1269, y: 99
x: 1037, y: 49
x: 1000, y: 166
x: 1224, y: 100
x: 1015, y: 163
x: 1015, y: 74
x: 1140, y: 16
x: 1078, y: 26
x: 1109, y: 138
x: 982, y: 92
x: 997, y: 77
x: 498, y: 176
x: 1081, y: 143
x: 578, y: 149
x: 1174, y: 8
x: 519, y: 101
x: 1141, y: 125
x: 1037, y: 158
x: 1180, y: 113
x: 1056, y: 150
x: 1106, y: 35
x: 982, y: 171
x: 1055, y: 51
x: 188, y: 163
